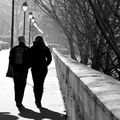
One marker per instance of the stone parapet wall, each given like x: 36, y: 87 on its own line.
x: 4, y: 45
x: 88, y: 94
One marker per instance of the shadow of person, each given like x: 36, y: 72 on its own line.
x: 52, y: 115
x: 7, y: 116
x: 44, y: 113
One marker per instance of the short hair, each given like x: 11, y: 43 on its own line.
x: 21, y: 39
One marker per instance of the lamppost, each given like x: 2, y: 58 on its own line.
x: 36, y: 26
x: 30, y: 16
x: 10, y: 69
x: 12, y: 24
x: 33, y: 19
x: 25, y: 6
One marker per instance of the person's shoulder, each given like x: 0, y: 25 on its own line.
x: 13, y: 48
x: 32, y: 47
x: 26, y: 47
x: 47, y: 49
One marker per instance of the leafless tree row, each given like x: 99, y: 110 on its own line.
x: 91, y: 26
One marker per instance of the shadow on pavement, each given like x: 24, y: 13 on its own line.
x: 7, y: 116
x: 44, y: 113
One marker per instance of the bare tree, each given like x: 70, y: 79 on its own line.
x: 107, y: 20
x: 92, y: 26
x: 57, y: 10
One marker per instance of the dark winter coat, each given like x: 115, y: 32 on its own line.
x: 26, y: 64
x: 40, y: 56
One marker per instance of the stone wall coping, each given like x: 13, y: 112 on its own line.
x: 104, y: 89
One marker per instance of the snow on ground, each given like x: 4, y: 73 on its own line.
x: 52, y: 99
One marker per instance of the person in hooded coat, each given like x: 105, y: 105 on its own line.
x: 40, y: 59
x: 20, y: 71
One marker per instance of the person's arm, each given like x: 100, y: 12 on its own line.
x: 48, y: 55
x: 11, y: 57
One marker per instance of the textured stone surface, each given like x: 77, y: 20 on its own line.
x: 88, y: 94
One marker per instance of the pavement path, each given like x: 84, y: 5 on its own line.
x: 52, y: 102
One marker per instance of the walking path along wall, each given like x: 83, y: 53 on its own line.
x: 88, y: 94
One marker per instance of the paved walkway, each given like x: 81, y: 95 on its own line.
x: 52, y: 99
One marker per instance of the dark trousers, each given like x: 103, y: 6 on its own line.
x: 19, y: 85
x: 38, y: 80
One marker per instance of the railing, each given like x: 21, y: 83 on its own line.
x: 4, y: 45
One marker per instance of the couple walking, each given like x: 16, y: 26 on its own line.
x: 21, y: 57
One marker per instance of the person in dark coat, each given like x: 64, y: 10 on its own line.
x: 20, y: 71
x: 40, y: 59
